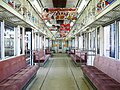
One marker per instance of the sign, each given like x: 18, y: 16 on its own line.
x: 102, y: 4
x: 109, y: 1
x: 59, y: 14
x: 65, y: 27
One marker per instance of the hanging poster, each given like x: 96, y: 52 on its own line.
x: 65, y: 27
x: 59, y: 14
x: 109, y: 1
x: 99, y: 7
x: 103, y: 3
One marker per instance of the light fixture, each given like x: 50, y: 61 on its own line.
x: 48, y: 24
x: 71, y: 24
x: 83, y: 3
x: 37, y: 5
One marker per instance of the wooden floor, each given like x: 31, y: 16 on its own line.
x: 59, y: 73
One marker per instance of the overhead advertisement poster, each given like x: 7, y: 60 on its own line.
x: 59, y: 13
x: 64, y: 29
x: 58, y: 19
x: 103, y: 3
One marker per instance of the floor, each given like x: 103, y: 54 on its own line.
x: 59, y: 73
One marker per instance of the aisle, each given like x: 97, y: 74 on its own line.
x: 59, y: 74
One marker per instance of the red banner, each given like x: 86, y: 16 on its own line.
x: 65, y: 27
x: 59, y: 14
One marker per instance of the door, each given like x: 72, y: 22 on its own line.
x: 60, y: 47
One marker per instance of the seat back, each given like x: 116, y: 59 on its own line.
x: 109, y: 66
x: 11, y: 65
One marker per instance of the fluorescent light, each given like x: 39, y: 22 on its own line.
x: 48, y: 24
x: 71, y: 24
x: 37, y: 5
x: 83, y: 3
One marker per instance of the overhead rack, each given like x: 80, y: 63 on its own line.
x: 109, y: 14
x: 12, y: 16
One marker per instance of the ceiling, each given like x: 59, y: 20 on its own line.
x: 55, y: 23
x: 59, y: 3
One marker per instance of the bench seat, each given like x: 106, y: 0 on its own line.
x: 48, y: 52
x: 15, y: 73
x: 79, y: 57
x: 104, y: 74
x: 44, y: 58
x: 72, y: 51
x: 75, y: 58
x: 40, y: 57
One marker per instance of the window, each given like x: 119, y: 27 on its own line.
x: 47, y: 43
x: 37, y: 41
x: 9, y: 41
x: 28, y: 44
x: 112, y: 40
x: 109, y: 40
x: 73, y: 43
x: 85, y: 40
x: 93, y: 35
x: 81, y: 42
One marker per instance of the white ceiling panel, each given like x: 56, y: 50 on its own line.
x: 71, y: 3
x: 47, y: 3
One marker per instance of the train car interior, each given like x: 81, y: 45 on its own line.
x: 59, y: 44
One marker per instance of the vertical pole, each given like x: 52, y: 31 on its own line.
x: 31, y: 52
x: 116, y: 40
x: 2, y: 40
x: 17, y: 40
x: 35, y: 42
x: 102, y: 41
x: 38, y: 41
x: 44, y: 42
x: 18, y: 37
x: 23, y: 41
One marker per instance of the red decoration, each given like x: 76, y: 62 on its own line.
x: 11, y: 4
x: 65, y: 27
